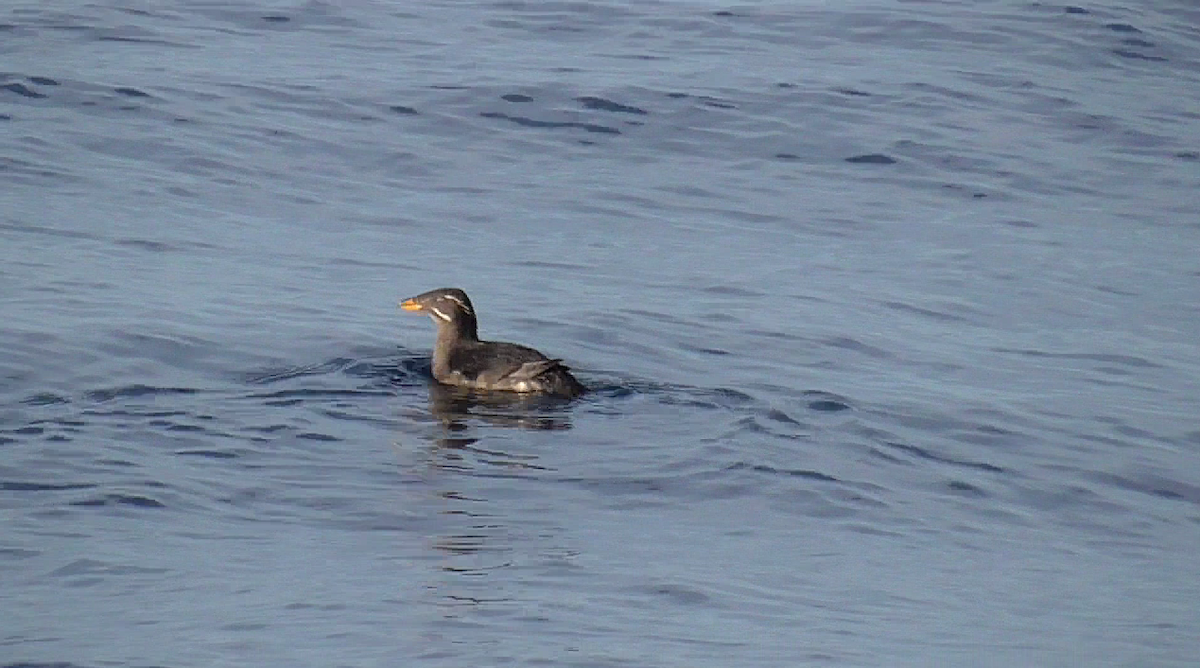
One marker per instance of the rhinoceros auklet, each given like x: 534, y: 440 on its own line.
x: 460, y: 358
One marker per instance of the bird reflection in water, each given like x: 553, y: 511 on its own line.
x: 477, y: 538
x: 456, y: 407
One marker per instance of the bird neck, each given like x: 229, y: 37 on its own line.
x: 451, y: 335
x: 461, y: 328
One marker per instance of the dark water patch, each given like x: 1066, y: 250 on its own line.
x: 1073, y: 496
x: 636, y: 56
x: 966, y: 489
x: 32, y: 173
x: 1134, y: 55
x: 612, y: 390
x: 22, y: 90
x: 130, y: 39
x: 965, y: 190
x: 1190, y: 156
x: 269, y: 429
x: 655, y: 490
x: 888, y: 457
x: 43, y: 81
x: 787, y: 156
x: 779, y: 416
x: 850, y: 343
x: 314, y: 436
x: 208, y: 454
x: 335, y: 414
x: 133, y: 500
x: 1116, y: 371
x: 732, y: 291
x: 716, y: 103
x: 792, y: 473
x: 457, y: 442
x: 828, y: 406
x: 1153, y: 485
x: 1108, y: 358
x: 1108, y: 289
x: 402, y: 110
x: 122, y: 412
x: 721, y: 397
x: 1072, y: 9
x: 144, y: 244
x: 611, y: 387
x: 121, y: 463
x: 276, y: 18
x: 1141, y: 43
x: 752, y: 425
x: 922, y: 453
x: 704, y: 350
x: 956, y: 94
x: 21, y: 486
x: 534, y: 123
x: 1124, y: 429
x: 929, y: 313
x: 679, y: 594
x: 645, y: 314
x: 179, y: 428
x: 385, y: 371
x: 548, y: 264
x: 871, y: 159
x: 852, y: 92
x: 136, y: 390
x: 45, y: 399
x: 602, y: 104
x: 131, y: 92
x: 826, y: 402
x: 516, y: 97
x: 54, y: 664
x: 990, y: 435
x: 1121, y: 27
x: 96, y: 567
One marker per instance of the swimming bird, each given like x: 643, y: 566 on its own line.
x: 460, y: 358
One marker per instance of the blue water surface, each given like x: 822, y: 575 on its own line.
x: 890, y: 310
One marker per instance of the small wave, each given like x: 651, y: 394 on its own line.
x: 135, y: 390
x: 20, y: 486
x: 792, y: 473
x: 925, y: 454
x: 133, y: 500
x: 534, y: 123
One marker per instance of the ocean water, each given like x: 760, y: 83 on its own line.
x: 890, y: 312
